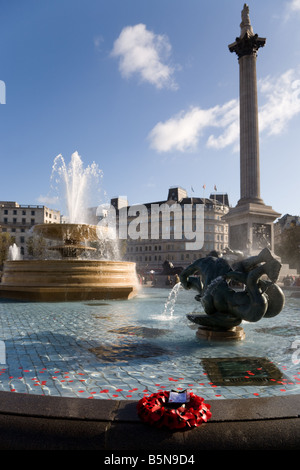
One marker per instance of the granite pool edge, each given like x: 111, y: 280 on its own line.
x: 36, y: 422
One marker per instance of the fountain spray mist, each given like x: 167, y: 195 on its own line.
x: 14, y: 253
x: 78, y: 183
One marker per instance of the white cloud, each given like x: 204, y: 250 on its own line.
x: 228, y: 119
x: 48, y: 201
x: 281, y: 97
x: 144, y: 53
x: 180, y: 132
x: 294, y: 5
x: 183, y: 131
x: 282, y: 101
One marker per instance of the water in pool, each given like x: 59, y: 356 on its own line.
x: 128, y: 349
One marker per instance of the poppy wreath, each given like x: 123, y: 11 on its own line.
x: 156, y: 411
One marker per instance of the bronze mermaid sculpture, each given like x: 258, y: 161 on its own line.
x: 225, y: 306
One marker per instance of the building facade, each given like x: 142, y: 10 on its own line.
x: 150, y: 253
x: 17, y: 219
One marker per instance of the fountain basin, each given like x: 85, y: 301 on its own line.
x: 45, y: 404
x: 74, y: 232
x: 68, y: 280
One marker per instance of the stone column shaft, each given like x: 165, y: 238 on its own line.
x: 249, y: 133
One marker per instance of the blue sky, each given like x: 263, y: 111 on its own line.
x: 147, y: 90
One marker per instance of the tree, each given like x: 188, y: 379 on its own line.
x: 5, y: 241
x: 288, y: 248
x: 36, y: 246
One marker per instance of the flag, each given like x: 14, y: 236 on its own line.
x: 204, y: 186
x: 215, y: 187
x: 192, y: 189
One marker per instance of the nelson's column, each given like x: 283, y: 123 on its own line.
x: 251, y: 221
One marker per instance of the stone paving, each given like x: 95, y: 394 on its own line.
x: 128, y: 349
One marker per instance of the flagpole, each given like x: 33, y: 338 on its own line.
x: 192, y: 194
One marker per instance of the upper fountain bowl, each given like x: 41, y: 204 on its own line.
x: 74, y: 238
x: 70, y: 232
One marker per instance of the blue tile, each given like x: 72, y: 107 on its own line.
x: 55, y: 344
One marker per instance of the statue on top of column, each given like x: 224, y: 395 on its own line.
x: 246, y: 24
x: 247, y: 43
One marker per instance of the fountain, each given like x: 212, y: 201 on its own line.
x: 14, y: 252
x: 85, y: 363
x: 82, y: 272
x: 226, y: 307
x: 78, y: 352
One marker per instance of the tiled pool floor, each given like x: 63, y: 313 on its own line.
x: 126, y: 349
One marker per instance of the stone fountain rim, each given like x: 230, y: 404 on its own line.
x: 270, y: 423
x: 69, y: 260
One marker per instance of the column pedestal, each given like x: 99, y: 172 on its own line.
x: 251, y: 227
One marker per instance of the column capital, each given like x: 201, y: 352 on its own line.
x: 247, y: 45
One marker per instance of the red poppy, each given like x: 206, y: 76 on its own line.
x: 156, y: 411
